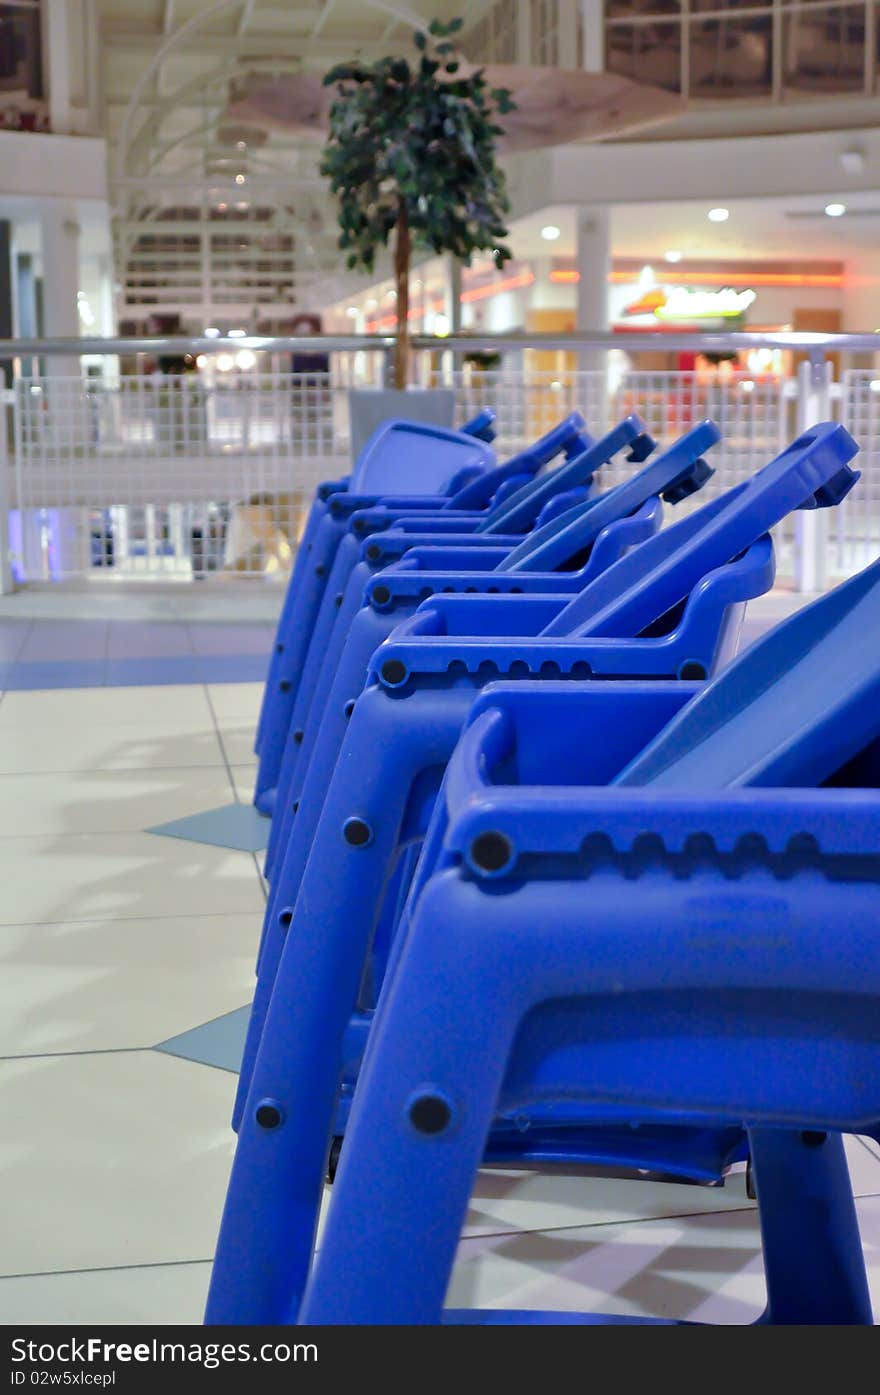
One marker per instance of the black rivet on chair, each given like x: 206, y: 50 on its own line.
x: 491, y: 852
x: 339, y: 599
x: 349, y: 707
x: 430, y: 1114
x: 357, y: 832
x: 285, y: 919
x: 693, y: 670
x: 374, y: 552
x: 268, y: 1115
x: 320, y: 570
x: 381, y: 595
x: 393, y: 672
x: 285, y: 685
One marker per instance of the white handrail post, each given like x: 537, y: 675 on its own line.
x: 7, y: 398
x: 811, y: 525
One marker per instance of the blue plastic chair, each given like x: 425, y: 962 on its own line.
x: 586, y: 537
x: 473, y: 483
x: 718, y: 901
x: 677, y: 618
x: 378, y: 803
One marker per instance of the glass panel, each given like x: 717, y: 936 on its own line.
x: 649, y: 53
x: 731, y: 57
x: 824, y: 50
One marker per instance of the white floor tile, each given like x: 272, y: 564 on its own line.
x: 101, y: 985
x: 162, y: 1294
x: 107, y: 801
x: 238, y: 741
x: 136, y: 746
x: 864, y: 1167
x: 123, y: 1160
x: 244, y: 779
x: 236, y: 701
x: 103, y: 876
x: 68, y: 707
x: 507, y: 1201
x: 705, y: 1268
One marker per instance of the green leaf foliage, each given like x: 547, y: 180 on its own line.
x: 418, y: 137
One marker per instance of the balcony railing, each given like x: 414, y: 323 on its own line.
x: 143, y: 475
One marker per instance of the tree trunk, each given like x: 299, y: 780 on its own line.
x: 402, y: 255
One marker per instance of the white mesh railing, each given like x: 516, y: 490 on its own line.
x: 854, y: 527
x: 152, y: 476
x: 167, y: 477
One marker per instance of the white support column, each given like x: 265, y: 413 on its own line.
x: 60, y: 239
x: 811, y: 525
x: 452, y: 294
x: 593, y: 256
x: 56, y: 62
x: 593, y: 27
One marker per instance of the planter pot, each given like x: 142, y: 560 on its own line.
x: 368, y: 408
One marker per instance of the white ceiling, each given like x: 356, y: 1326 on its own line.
x: 755, y: 229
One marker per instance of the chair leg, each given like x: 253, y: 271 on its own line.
x: 279, y: 704
x: 322, y: 738
x: 415, y: 1140
x: 317, y: 513
x: 420, y: 731
x: 301, y: 1019
x: 813, y: 1256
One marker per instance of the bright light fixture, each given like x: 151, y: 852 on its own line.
x: 874, y: 385
x: 245, y: 358
x: 835, y: 210
x: 222, y: 207
x: 718, y: 215
x: 352, y: 312
x: 212, y: 332
x: 225, y: 363
x: 672, y: 256
x: 371, y: 304
x: 243, y: 204
x: 550, y: 233
x: 237, y: 334
x: 239, y: 179
x: 441, y: 326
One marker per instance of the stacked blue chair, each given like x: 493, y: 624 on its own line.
x: 446, y: 473
x: 636, y: 619
x: 579, y: 542
x: 716, y: 898
x: 600, y: 532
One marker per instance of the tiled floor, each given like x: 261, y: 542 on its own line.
x: 114, y: 941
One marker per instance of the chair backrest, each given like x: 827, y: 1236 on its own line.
x: 674, y: 475
x: 792, y: 710
x: 583, y: 458
x: 647, y: 583
x: 410, y: 457
x: 567, y: 438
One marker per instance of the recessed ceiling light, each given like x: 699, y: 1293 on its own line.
x: 718, y: 215
x: 835, y: 210
x: 550, y: 233
x: 352, y: 312
x: 672, y: 256
x: 239, y: 179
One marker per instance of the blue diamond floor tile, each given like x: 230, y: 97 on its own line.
x: 237, y: 826
x: 218, y: 1043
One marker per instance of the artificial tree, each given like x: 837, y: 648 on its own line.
x: 411, y: 152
